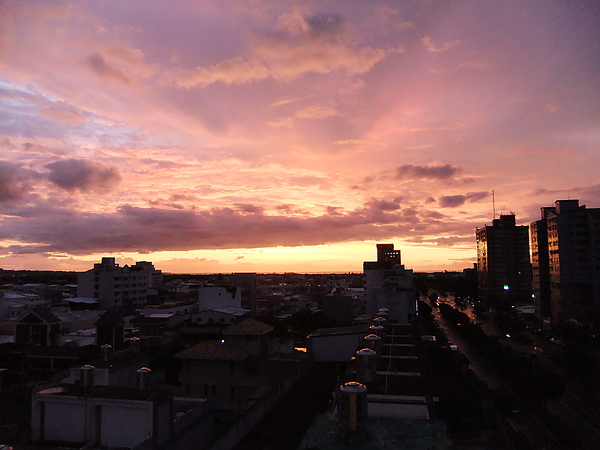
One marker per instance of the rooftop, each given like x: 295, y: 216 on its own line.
x: 213, y: 350
x: 248, y: 326
x: 109, y: 392
x: 354, y: 329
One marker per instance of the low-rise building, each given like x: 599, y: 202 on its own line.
x: 117, y: 417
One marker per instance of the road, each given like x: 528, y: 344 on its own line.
x: 528, y: 424
x: 573, y: 407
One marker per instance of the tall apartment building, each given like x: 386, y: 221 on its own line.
x: 123, y: 289
x: 503, y: 266
x: 389, y: 285
x: 540, y: 264
x: 567, y: 286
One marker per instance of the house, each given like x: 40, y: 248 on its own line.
x: 224, y: 371
x: 39, y: 326
x: 225, y: 315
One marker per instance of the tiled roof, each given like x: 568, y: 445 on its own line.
x: 248, y: 326
x: 214, y: 350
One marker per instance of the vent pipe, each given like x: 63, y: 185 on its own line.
x: 106, y: 352
x: 135, y: 344
x: 87, y: 376
x: 143, y: 378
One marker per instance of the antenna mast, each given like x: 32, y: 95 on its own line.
x: 493, y: 204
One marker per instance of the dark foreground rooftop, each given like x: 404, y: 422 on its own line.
x: 382, y: 433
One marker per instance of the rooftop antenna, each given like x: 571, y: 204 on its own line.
x: 494, y: 204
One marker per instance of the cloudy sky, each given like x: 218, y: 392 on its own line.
x: 272, y: 136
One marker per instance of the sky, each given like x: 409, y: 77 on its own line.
x: 218, y: 136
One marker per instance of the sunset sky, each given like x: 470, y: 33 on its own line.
x: 276, y: 136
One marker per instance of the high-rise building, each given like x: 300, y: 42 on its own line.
x: 540, y: 264
x: 503, y: 267
x: 123, y: 289
x: 389, y: 285
x: 567, y: 285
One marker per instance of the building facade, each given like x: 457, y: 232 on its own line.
x: 123, y: 289
x: 567, y: 287
x: 503, y: 265
x: 388, y: 284
x: 540, y: 264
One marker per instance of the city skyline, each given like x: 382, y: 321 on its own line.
x: 223, y: 136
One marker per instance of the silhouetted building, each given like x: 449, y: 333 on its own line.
x: 567, y: 285
x: 124, y: 289
x: 247, y: 283
x: 388, y: 284
x: 110, y: 329
x: 38, y: 327
x: 503, y: 267
x: 540, y: 264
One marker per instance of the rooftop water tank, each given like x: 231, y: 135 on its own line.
x: 373, y: 342
x: 378, y: 330
x: 352, y: 407
x: 366, y: 365
x: 379, y: 321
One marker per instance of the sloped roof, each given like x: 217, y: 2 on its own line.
x: 248, y: 326
x: 215, y: 351
x: 232, y: 310
x: 86, y: 300
x: 110, y: 318
x: 44, y: 314
x: 353, y: 329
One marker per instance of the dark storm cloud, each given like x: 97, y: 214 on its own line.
x: 249, y: 208
x: 82, y: 175
x: 325, y: 23
x: 334, y: 210
x: 385, y: 205
x: 429, y: 172
x: 453, y: 201
x: 15, y: 182
x: 131, y: 228
x: 104, y: 70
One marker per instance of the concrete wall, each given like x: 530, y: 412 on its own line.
x: 335, y: 348
x: 125, y: 426
x: 102, y: 421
